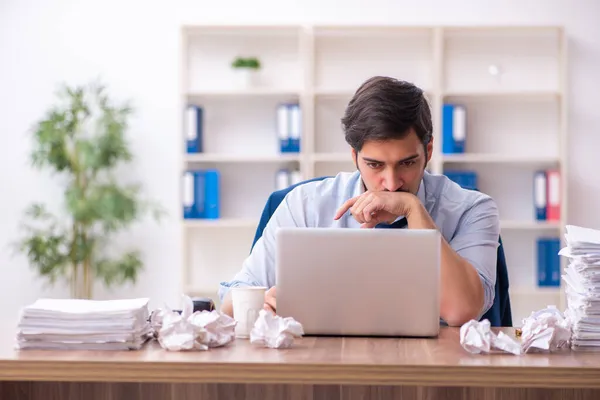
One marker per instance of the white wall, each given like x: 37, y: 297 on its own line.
x: 133, y: 46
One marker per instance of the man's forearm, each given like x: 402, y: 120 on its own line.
x: 462, y: 294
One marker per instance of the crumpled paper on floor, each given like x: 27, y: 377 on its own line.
x: 190, y: 330
x: 543, y: 330
x: 275, y: 331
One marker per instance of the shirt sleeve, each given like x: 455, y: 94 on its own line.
x: 258, y: 269
x: 476, y: 240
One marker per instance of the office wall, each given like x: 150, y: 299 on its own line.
x: 133, y: 46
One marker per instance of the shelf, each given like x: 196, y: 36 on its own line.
x: 497, y: 158
x: 332, y: 157
x: 221, y: 223
x: 241, y: 158
x: 535, y: 291
x: 529, y: 225
x: 333, y: 93
x: 346, y: 94
x: 516, y: 94
x: 494, y: 60
x: 248, y: 222
x: 253, y: 92
x: 344, y: 57
x: 510, y: 80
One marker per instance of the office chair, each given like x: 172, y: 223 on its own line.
x: 499, y: 314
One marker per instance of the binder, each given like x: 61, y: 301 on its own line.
x: 553, y: 273
x: 295, y: 177
x: 211, y: 190
x: 466, y: 179
x: 454, y: 128
x: 548, y: 261
x: 542, y: 261
x: 282, y: 179
x: 553, y: 199
x: 194, y: 117
x: 295, y: 129
x: 201, y: 194
x: 188, y: 197
x: 540, y: 194
x: 283, y: 127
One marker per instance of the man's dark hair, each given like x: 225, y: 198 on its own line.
x: 385, y: 108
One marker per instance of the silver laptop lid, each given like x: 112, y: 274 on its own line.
x: 375, y: 282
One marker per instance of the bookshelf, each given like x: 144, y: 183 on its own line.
x: 510, y: 79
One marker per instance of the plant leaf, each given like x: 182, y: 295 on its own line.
x: 119, y: 271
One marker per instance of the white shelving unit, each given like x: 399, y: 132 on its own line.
x: 516, y: 124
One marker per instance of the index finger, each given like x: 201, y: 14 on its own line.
x: 345, y: 207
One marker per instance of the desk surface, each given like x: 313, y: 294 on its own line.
x: 368, y: 361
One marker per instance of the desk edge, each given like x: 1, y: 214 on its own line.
x: 315, y: 373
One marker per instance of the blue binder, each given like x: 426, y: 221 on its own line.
x: 295, y: 119
x: 194, y: 118
x: 454, y: 128
x: 201, y: 194
x: 283, y: 127
x: 540, y: 198
x: 466, y: 179
x: 554, y: 262
x: 548, y: 261
x: 189, y: 195
x: 542, y: 262
x: 211, y: 190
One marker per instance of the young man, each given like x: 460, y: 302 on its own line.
x: 389, y: 129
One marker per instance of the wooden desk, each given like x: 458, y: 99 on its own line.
x: 315, y: 368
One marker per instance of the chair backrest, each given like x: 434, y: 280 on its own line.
x: 499, y: 314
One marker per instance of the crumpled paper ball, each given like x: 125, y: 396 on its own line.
x: 477, y: 337
x: 275, y: 331
x: 190, y: 330
x: 543, y: 330
x: 546, y: 330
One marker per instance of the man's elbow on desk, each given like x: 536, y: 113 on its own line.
x: 463, y: 306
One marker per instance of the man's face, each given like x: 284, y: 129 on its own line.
x: 394, y: 165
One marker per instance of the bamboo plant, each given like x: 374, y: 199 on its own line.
x: 82, y: 140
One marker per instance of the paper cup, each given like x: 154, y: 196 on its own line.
x: 247, y: 303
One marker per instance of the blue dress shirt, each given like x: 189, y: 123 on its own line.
x: 467, y: 219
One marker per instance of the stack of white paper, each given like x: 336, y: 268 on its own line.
x: 582, y: 277
x: 84, y: 324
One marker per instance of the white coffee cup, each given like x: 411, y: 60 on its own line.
x: 247, y: 303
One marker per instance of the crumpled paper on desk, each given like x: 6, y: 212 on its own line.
x: 274, y: 331
x: 200, y: 330
x: 477, y: 337
x: 543, y: 330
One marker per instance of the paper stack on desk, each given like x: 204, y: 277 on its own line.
x: 70, y: 324
x: 582, y: 277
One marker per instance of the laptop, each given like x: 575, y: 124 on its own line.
x: 360, y: 282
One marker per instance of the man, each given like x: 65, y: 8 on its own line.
x: 389, y: 129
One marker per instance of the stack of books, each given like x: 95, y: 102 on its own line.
x: 582, y: 277
x: 70, y: 324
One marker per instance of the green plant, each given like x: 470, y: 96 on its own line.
x: 82, y: 139
x: 246, y: 62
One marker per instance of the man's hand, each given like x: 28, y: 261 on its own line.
x: 372, y: 208
x: 270, y: 300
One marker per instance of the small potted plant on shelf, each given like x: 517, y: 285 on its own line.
x: 246, y: 70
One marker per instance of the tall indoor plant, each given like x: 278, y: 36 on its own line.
x: 82, y: 139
